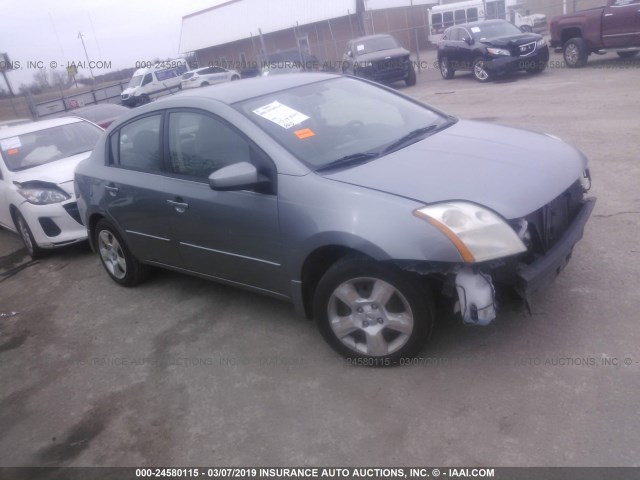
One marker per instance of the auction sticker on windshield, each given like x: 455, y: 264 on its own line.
x: 10, y: 143
x: 280, y: 114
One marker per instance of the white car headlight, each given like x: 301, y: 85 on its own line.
x: 477, y: 233
x: 498, y: 51
x: 541, y: 43
x: 43, y: 196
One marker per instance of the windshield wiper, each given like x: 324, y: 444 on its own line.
x: 349, y: 160
x: 410, y: 137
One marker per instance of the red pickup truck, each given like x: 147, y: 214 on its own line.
x: 615, y: 26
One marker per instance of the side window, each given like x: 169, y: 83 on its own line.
x: 472, y: 14
x: 147, y: 79
x: 199, y: 145
x: 138, y: 144
x: 460, y: 17
x: 454, y: 34
x: 448, y: 19
x: 218, y: 70
x: 436, y: 21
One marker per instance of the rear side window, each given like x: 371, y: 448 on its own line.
x: 472, y: 14
x: 460, y: 17
x: 137, y: 145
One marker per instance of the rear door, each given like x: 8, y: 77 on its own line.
x: 133, y: 190
x: 621, y: 24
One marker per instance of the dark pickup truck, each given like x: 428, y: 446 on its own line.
x: 615, y: 26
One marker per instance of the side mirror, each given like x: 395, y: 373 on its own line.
x: 238, y: 176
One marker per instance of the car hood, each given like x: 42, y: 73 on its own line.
x: 382, y: 54
x: 59, y: 172
x: 512, y: 40
x: 513, y: 172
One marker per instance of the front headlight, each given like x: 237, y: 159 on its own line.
x: 43, y: 196
x: 541, y: 43
x: 498, y: 51
x: 476, y: 232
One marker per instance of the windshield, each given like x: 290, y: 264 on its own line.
x: 375, y: 45
x: 135, y: 81
x: 44, y: 146
x: 494, y: 30
x: 341, y: 118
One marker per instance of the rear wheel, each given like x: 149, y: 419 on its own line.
x: 480, y: 70
x: 371, y: 311
x: 575, y: 53
x: 204, y: 84
x: 446, y: 70
x: 116, y: 257
x: 234, y: 78
x: 27, y: 237
x: 627, y: 54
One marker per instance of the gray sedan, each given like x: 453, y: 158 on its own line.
x: 356, y: 203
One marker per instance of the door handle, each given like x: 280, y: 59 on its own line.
x: 111, y: 189
x: 180, y: 207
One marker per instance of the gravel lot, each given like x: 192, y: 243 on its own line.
x: 184, y: 372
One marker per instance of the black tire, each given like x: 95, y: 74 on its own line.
x: 378, y: 333
x: 234, y: 78
x: 575, y: 52
x: 446, y: 70
x: 627, y: 54
x: 411, y: 78
x: 27, y: 237
x: 144, y: 99
x: 480, y: 71
x: 116, y: 258
x: 204, y: 84
x: 526, y: 29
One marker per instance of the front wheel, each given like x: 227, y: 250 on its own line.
x: 575, y: 53
x: 27, y: 237
x: 627, y: 54
x: 526, y: 29
x: 371, y: 311
x: 116, y: 257
x: 411, y: 78
x: 480, y: 70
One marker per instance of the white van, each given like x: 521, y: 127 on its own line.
x: 444, y: 16
x: 153, y: 81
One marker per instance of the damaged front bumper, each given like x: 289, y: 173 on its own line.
x: 536, y: 276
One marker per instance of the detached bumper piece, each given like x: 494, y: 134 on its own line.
x: 535, y: 277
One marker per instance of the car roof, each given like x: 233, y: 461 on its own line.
x: 232, y: 92
x: 478, y: 23
x: 371, y: 37
x: 35, y: 126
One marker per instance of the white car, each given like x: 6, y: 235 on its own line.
x: 37, y: 198
x: 201, y: 77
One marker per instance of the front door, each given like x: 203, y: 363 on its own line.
x: 232, y: 235
x: 621, y: 24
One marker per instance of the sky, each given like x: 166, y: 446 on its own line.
x: 117, y: 33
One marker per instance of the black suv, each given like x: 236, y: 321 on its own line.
x: 380, y: 58
x: 489, y: 49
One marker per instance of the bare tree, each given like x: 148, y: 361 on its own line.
x: 58, y: 78
x: 41, y: 78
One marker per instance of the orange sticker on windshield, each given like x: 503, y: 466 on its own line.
x: 304, y: 133
x: 13, y: 151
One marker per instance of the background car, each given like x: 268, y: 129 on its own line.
x: 37, y: 198
x: 346, y: 198
x: 102, y: 115
x: 201, y: 77
x: 489, y: 49
x: 380, y: 58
